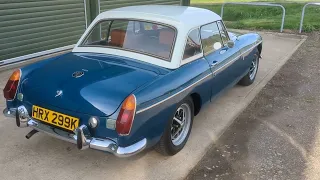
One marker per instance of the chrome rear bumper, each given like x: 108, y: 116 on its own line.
x: 81, y: 138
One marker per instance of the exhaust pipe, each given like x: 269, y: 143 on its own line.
x: 31, y: 133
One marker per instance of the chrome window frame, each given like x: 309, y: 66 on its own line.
x: 224, y: 30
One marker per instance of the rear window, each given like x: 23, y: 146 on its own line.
x: 143, y: 37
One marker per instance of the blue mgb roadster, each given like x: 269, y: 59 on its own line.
x: 135, y: 79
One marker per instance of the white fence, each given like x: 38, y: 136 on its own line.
x: 303, y: 12
x: 260, y: 4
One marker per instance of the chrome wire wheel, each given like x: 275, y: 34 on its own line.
x: 181, y: 124
x: 253, y: 68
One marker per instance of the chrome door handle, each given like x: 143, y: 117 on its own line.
x: 214, y: 64
x: 223, y: 51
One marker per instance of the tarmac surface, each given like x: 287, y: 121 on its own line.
x: 278, y: 135
x: 44, y: 158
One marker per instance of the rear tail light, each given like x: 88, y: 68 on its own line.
x: 126, y: 116
x: 11, y: 87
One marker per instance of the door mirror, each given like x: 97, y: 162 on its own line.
x: 230, y: 44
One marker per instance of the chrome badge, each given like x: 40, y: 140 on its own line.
x: 59, y: 93
x: 77, y: 74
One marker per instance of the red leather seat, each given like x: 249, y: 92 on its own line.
x: 117, y: 37
x: 166, y: 37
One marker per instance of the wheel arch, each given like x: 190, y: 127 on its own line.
x: 197, y: 102
x: 260, y: 49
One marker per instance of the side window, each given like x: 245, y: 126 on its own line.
x: 99, y: 34
x: 210, y: 38
x: 193, y: 45
x: 223, y: 33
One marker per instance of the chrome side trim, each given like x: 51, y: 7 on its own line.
x: 225, y: 66
x: 215, y: 72
x: 233, y: 60
x: 142, y: 110
x: 190, y: 59
x: 256, y: 44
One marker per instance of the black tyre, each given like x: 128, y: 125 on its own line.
x: 249, y: 78
x: 178, y: 129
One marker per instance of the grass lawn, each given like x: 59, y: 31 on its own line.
x: 269, y: 18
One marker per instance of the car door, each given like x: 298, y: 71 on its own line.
x: 220, y: 57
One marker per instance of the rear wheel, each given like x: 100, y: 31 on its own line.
x: 249, y: 78
x: 178, y: 129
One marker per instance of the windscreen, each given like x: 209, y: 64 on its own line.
x: 143, y: 37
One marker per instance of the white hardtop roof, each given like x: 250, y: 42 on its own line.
x: 183, y: 18
x: 189, y: 17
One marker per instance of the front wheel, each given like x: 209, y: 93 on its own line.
x: 178, y: 129
x: 249, y: 78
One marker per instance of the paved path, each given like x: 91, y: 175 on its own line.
x: 43, y: 157
x: 278, y: 135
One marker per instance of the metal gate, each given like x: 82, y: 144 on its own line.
x: 31, y: 28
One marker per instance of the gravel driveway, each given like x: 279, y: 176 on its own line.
x: 278, y: 135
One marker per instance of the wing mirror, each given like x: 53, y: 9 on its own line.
x: 230, y: 44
